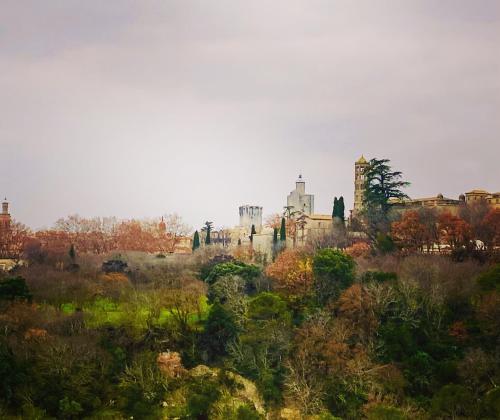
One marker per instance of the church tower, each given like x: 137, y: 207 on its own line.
x: 360, y: 167
x: 5, y: 218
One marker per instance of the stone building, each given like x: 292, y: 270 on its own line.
x: 438, y: 202
x: 360, y: 167
x: 474, y: 196
x: 251, y: 215
x: 298, y: 200
x: 313, y: 226
x: 5, y: 218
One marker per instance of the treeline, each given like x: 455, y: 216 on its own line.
x: 95, y: 236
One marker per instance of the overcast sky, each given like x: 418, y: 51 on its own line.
x: 140, y: 108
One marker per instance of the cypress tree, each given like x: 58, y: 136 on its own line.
x: 275, y: 236
x: 72, y: 253
x: 196, y: 241
x: 335, y: 208
x: 283, y: 230
x: 341, y: 209
x: 252, y: 232
x: 208, y: 239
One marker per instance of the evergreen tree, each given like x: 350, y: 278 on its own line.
x: 283, y: 230
x: 208, y: 240
x: 381, y: 185
x: 196, y: 241
x: 335, y: 208
x: 72, y: 253
x: 207, y: 229
x: 341, y: 209
x: 252, y: 232
x: 275, y: 236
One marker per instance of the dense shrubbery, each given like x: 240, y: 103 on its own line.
x: 388, y: 338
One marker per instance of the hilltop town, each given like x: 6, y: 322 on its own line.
x: 303, y: 225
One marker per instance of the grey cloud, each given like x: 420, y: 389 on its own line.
x: 140, y: 108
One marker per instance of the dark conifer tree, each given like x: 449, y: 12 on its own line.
x: 335, y: 208
x: 196, y: 241
x: 341, y: 209
x: 252, y: 232
x: 72, y: 253
x: 283, y: 230
x: 208, y: 230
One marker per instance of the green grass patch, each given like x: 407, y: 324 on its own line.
x: 105, y: 311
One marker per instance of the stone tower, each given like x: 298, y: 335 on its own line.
x: 299, y: 200
x: 360, y: 167
x: 251, y: 215
x: 5, y: 218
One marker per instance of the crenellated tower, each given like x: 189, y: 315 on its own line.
x: 251, y: 215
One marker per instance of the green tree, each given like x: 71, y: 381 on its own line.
x: 382, y: 185
x: 70, y: 409
x: 490, y: 279
x: 453, y: 401
x: 252, y: 232
x: 275, y: 236
x: 283, y: 230
x: 196, y: 241
x: 341, y: 209
x: 220, y: 330
x: 335, y: 208
x: 72, y: 253
x: 384, y: 412
x: 14, y: 288
x: 333, y: 272
x: 208, y: 230
x: 338, y: 209
x: 249, y: 272
x: 261, y: 350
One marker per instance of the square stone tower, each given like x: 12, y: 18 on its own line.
x: 360, y: 167
x: 299, y: 200
x: 5, y: 218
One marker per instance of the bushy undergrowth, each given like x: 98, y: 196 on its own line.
x: 312, y: 334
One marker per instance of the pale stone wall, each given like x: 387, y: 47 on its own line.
x: 263, y: 244
x: 251, y: 215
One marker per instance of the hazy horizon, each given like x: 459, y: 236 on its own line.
x: 137, y: 109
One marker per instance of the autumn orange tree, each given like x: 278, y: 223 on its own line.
x: 409, y: 233
x: 13, y: 240
x: 453, y: 231
x: 292, y: 273
x: 491, y: 229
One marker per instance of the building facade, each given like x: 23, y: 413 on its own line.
x: 298, y: 200
x: 475, y: 196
